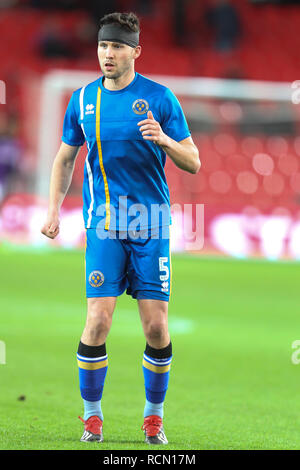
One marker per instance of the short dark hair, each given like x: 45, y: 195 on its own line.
x: 126, y: 20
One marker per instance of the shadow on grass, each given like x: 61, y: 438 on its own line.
x: 105, y: 442
x: 120, y: 441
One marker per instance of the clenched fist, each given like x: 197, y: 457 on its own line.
x: 51, y: 226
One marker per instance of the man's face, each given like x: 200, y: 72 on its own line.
x: 115, y: 58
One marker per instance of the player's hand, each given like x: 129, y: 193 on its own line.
x: 51, y: 226
x: 151, y: 130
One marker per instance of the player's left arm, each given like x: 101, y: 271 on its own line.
x: 184, y: 154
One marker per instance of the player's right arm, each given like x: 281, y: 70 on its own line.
x: 61, y: 177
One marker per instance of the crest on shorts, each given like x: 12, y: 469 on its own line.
x: 96, y: 278
x: 140, y: 106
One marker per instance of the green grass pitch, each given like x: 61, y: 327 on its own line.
x: 232, y: 385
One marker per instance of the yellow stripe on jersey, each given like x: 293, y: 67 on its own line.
x: 107, y: 196
x: 156, y: 369
x: 92, y: 365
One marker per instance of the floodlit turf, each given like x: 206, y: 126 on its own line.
x: 232, y: 384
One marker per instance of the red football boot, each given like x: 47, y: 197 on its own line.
x: 154, y: 430
x: 92, y: 429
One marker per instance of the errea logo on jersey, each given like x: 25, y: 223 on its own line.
x: 165, y: 286
x: 89, y: 109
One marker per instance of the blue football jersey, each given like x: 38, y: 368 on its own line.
x: 124, y: 179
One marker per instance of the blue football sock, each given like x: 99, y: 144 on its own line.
x: 92, y: 364
x: 156, y: 369
x: 156, y: 409
x: 92, y: 408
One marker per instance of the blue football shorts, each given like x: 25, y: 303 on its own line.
x: 138, y: 262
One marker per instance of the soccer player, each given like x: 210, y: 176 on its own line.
x: 129, y: 124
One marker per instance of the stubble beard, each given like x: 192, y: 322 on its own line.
x: 112, y: 76
x: 117, y: 74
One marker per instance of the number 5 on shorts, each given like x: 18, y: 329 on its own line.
x: 164, y: 268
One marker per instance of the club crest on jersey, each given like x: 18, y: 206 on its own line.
x: 140, y: 106
x: 96, y: 278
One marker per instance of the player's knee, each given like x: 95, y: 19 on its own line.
x: 98, y: 320
x: 157, y: 330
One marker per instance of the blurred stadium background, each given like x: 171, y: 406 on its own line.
x: 234, y: 66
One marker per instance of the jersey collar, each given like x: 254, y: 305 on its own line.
x: 114, y: 92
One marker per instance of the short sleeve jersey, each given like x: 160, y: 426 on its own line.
x: 124, y: 178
